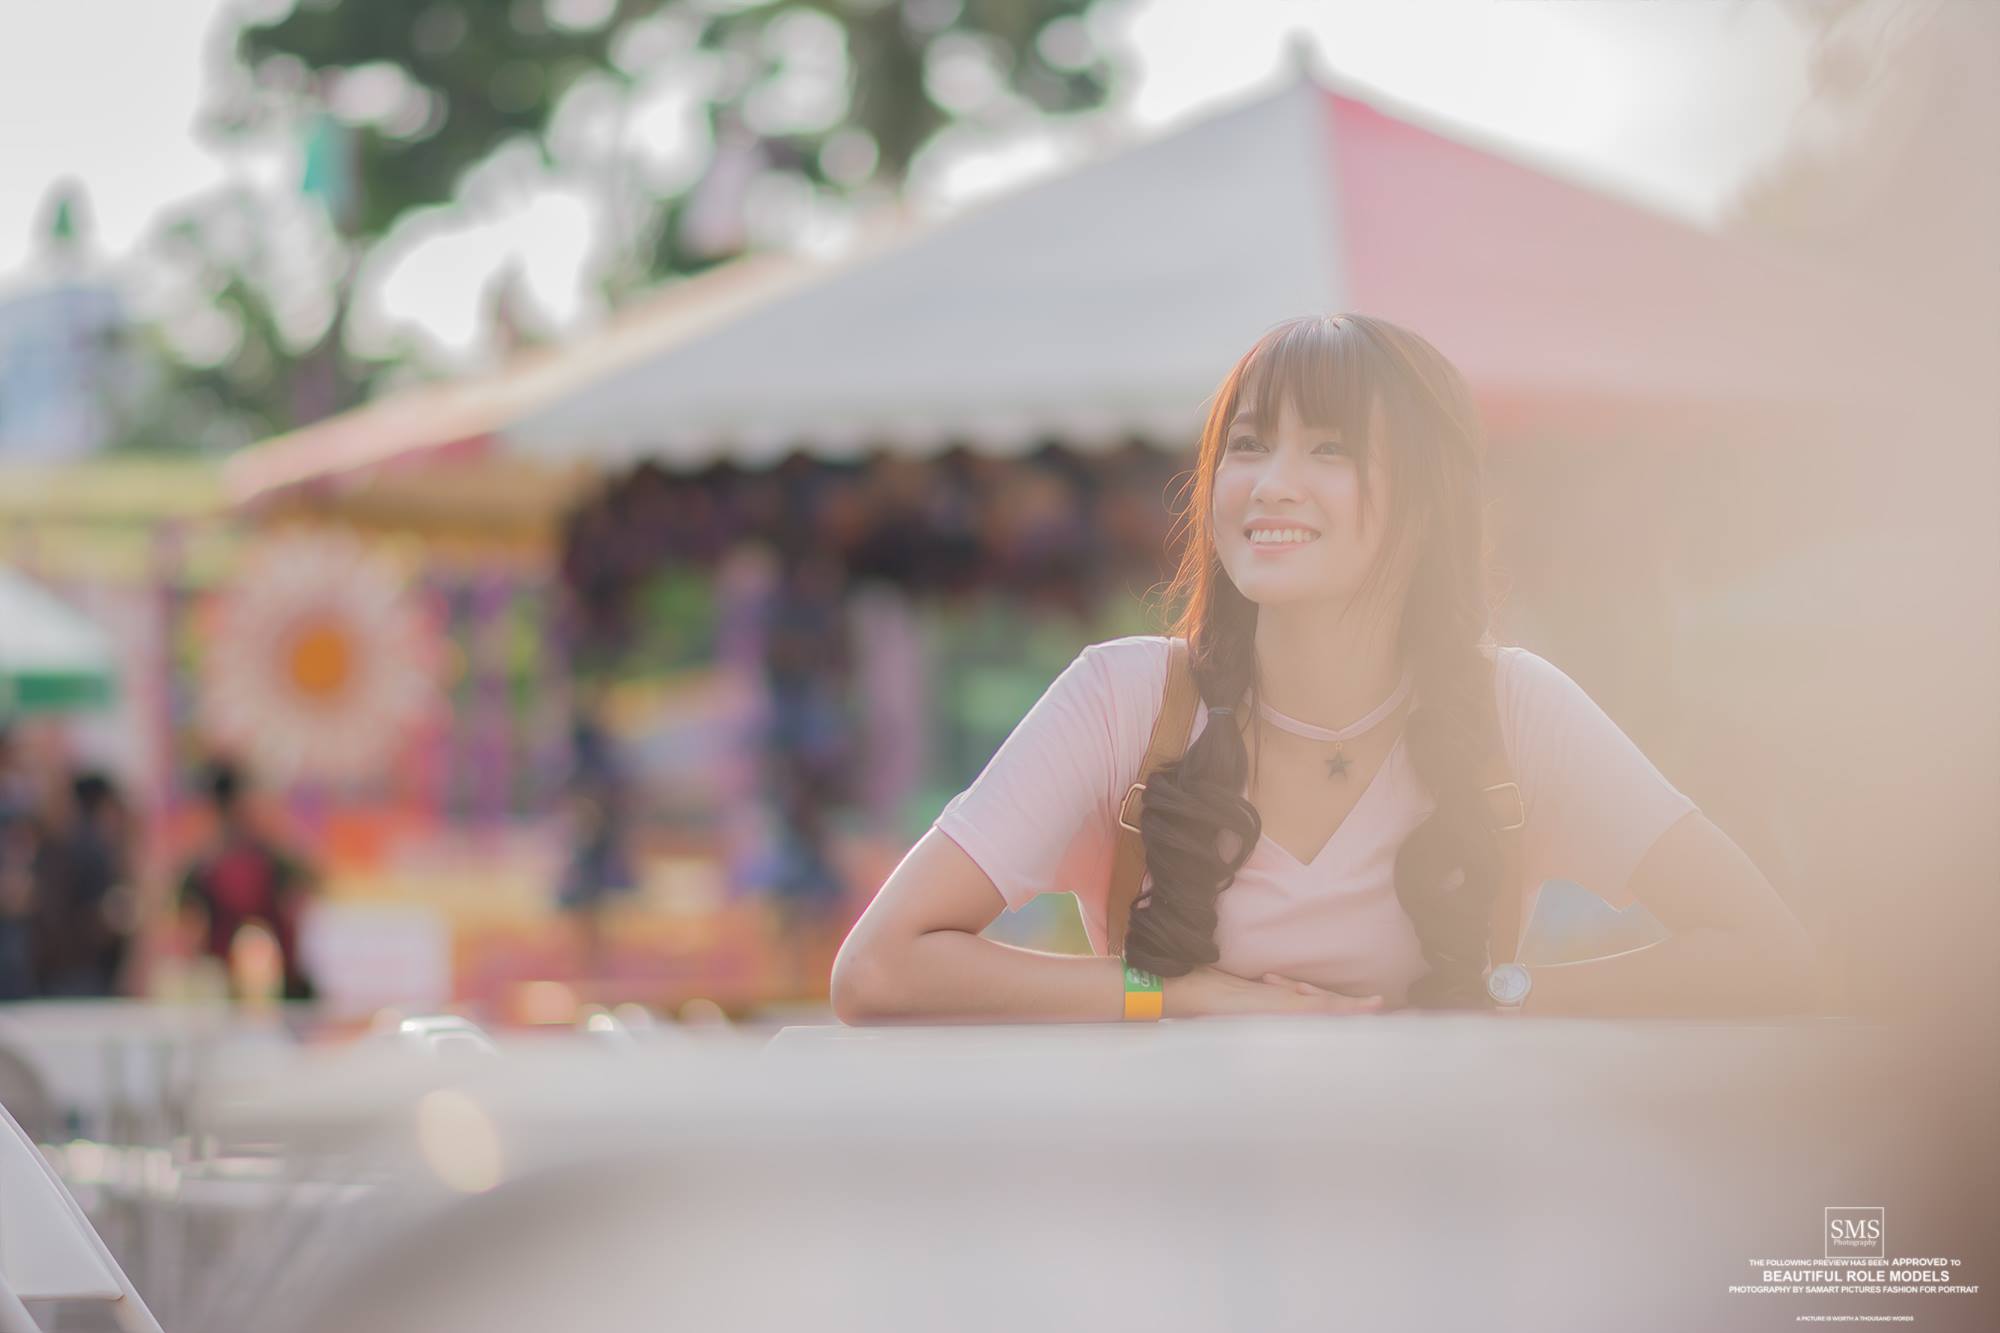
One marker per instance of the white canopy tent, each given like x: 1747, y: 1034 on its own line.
x: 1087, y: 308
x: 52, y: 658
x: 1107, y: 303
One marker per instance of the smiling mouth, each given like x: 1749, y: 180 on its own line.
x: 1279, y: 539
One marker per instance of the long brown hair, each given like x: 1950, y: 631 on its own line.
x: 1339, y: 371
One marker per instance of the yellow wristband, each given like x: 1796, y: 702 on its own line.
x: 1143, y: 998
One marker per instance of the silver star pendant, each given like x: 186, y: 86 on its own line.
x: 1336, y: 767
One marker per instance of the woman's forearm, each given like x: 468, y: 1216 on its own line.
x: 951, y: 976
x: 1692, y: 974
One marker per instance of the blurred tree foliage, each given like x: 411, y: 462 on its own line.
x: 491, y: 70
x: 228, y: 372
x: 394, y: 103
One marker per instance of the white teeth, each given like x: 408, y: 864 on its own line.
x: 1281, y: 536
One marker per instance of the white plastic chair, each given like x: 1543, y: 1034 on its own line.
x: 49, y: 1251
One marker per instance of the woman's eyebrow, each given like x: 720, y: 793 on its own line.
x: 1246, y: 419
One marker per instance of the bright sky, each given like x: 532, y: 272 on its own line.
x: 1669, y: 102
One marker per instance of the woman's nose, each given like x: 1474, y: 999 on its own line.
x: 1277, y: 479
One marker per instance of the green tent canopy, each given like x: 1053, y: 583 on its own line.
x: 51, y: 658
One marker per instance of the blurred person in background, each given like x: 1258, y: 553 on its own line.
x: 1329, y: 840
x: 18, y: 839
x: 809, y: 750
x: 85, y: 908
x: 598, y: 803
x: 243, y: 883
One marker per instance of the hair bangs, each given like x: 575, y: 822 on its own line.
x: 1320, y: 369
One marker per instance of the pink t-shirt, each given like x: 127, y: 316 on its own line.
x: 1042, y: 818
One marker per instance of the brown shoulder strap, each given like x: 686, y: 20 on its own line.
x: 1170, y: 733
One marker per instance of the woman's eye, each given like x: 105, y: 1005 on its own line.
x: 1334, y: 445
x: 1242, y: 442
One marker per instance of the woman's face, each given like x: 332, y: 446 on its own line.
x: 1287, y: 508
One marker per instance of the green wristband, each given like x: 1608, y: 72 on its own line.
x: 1143, y: 998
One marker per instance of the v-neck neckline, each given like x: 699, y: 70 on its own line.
x: 1395, y: 753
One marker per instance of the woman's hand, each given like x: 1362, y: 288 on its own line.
x: 1210, y: 992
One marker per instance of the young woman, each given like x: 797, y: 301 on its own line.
x: 1323, y: 845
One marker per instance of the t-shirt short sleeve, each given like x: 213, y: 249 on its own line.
x: 1595, y: 804
x: 1041, y: 817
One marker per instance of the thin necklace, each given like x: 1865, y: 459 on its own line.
x: 1336, y: 767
